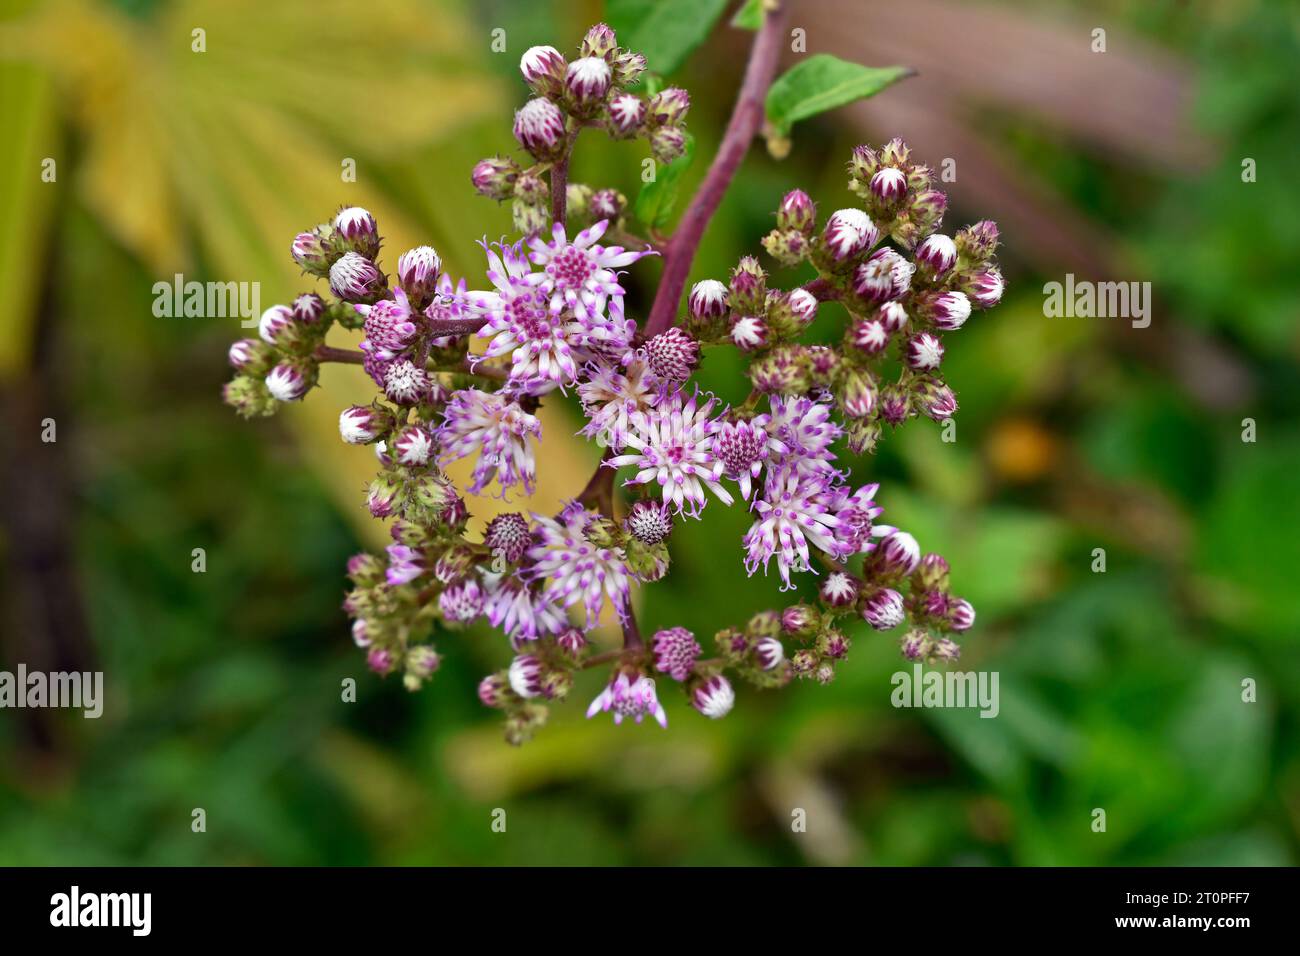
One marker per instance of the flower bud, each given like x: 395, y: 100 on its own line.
x: 413, y: 445
x: 251, y: 356
x: 708, y: 299
x: 354, y: 278
x: 863, y: 163
x: 748, y: 291
x: 786, y: 246
x: 797, y: 212
x: 961, y: 614
x: 577, y: 199
x: 494, y: 690
x: 857, y: 393
x: 985, y: 288
x: 355, y: 231
x: 543, y: 69
x: 529, y: 220
x: 834, y: 644
x: 713, y: 697
x: 572, y: 644
x: 927, y: 209
x: 311, y: 250
x: 889, y: 185
x: 804, y: 662
x: 669, y: 107
x: 883, y: 609
x: 417, y: 273
x: 381, y: 660
x: 839, y: 590
x: 667, y: 143
x: 495, y: 177
x: 978, y: 242
x: 947, y: 310
x: 628, y: 67
x: 599, y: 41
x: 897, y: 554
x: 800, y: 620
x: 607, y: 204
x: 916, y: 645
x: 924, y: 351
x: 894, y: 153
x: 289, y: 381
x: 363, y: 424
x: 768, y: 652
x: 532, y: 189
x: 587, y: 82
x: 248, y: 396
x: 626, y: 114
x: 382, y: 495
x: 868, y: 335
x: 825, y: 673
x: 276, y: 325
x: 405, y: 383
x: 782, y: 371
x: 892, y: 316
x: 937, y: 401
x: 932, y: 572
x: 508, y: 536
x: 944, y: 650
x: 936, y: 254
x: 861, y: 435
x: 749, y: 332
x: 883, y: 277
x: 849, y: 232
x: 525, y: 675
x: 539, y: 128
x: 894, y: 404
x: 308, y: 308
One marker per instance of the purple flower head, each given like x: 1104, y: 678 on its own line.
x: 629, y: 697
x: 961, y: 614
x: 405, y: 564
x: 985, y: 288
x: 741, y: 447
x: 354, y: 278
x: 361, y: 424
x: 461, y: 601
x: 390, y: 326
x: 587, y: 80
x: 406, y: 383
x: 675, y: 652
x: 749, y: 332
x: 949, y: 310
x: 856, y: 510
x: 287, y: 383
x: 889, y: 184
x: 868, y: 335
x: 898, y: 554
x: 496, y: 430
x: 509, y: 536
x: 793, y: 516
x: 275, y: 323
x: 514, y: 606
x: 672, y: 356
x: 308, y: 308
x: 575, y: 568
x: 610, y: 397
x: 579, y: 276
x: 805, y: 431
x: 414, y: 445
x: 650, y: 522
x: 672, y: 444
x: 525, y: 674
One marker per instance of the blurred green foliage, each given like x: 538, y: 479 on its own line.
x: 1120, y: 690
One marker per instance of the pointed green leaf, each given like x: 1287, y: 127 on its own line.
x: 823, y: 82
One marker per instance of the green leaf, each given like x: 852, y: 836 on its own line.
x: 750, y: 16
x: 655, y: 202
x: 823, y: 82
x: 665, y: 31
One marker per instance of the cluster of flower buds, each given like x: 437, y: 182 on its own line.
x: 553, y: 321
x: 595, y: 89
x: 910, y: 294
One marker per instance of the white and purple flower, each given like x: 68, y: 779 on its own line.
x: 495, y: 429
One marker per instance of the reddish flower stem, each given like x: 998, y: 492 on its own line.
x: 326, y: 353
x: 746, y: 119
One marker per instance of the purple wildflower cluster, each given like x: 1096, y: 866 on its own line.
x: 460, y: 374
